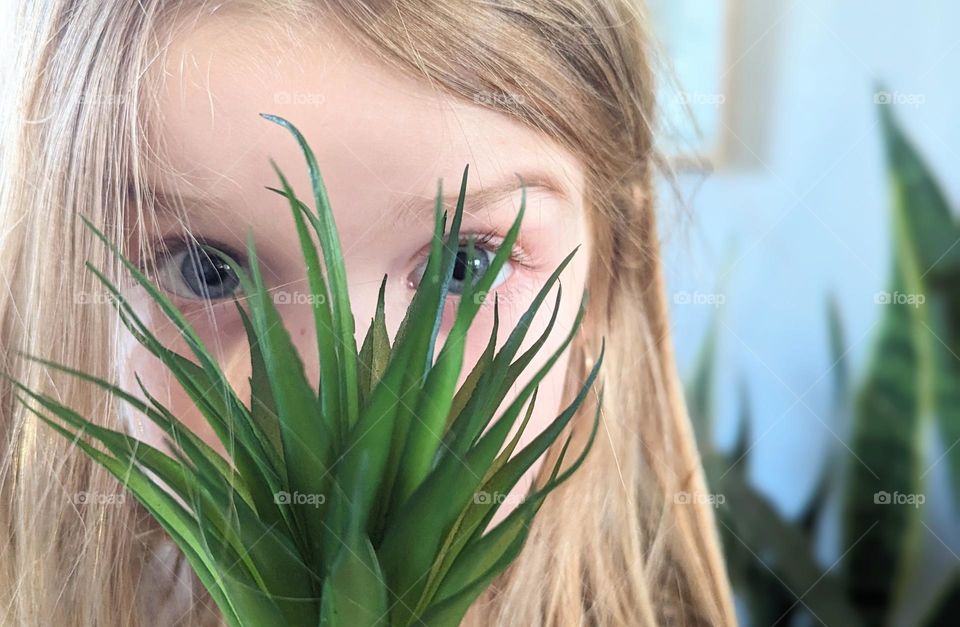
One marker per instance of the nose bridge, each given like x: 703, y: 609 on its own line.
x: 296, y: 309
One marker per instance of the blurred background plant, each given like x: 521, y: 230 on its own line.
x: 878, y: 466
x: 777, y: 196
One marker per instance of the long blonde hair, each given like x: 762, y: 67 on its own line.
x: 612, y: 547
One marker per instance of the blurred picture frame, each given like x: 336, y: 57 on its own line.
x: 696, y: 90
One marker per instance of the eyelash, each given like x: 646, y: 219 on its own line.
x: 482, y: 239
x: 171, y: 245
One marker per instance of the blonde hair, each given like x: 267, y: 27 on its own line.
x: 612, y: 547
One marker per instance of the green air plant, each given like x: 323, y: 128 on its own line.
x: 364, y: 501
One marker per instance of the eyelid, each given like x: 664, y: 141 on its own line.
x: 238, y: 256
x: 490, y: 239
x: 175, y: 243
x: 518, y: 255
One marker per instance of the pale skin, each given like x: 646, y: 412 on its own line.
x: 382, y: 141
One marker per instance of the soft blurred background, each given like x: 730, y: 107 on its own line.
x: 785, y: 199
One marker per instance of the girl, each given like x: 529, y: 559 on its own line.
x: 142, y: 116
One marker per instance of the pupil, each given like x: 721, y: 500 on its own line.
x: 462, y: 262
x: 208, y: 276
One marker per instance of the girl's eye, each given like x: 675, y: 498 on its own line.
x: 481, y: 262
x: 197, y: 274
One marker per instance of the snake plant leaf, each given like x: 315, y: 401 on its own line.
x: 945, y: 326
x: 699, y: 391
x: 927, y: 221
x: 926, y: 214
x: 947, y: 606
x: 827, y: 482
x: 839, y: 364
x: 764, y: 538
x: 766, y: 599
x: 886, y: 449
x: 769, y: 600
x: 887, y: 426
x: 736, y: 459
x: 770, y: 559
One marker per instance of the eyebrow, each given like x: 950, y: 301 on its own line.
x: 412, y: 210
x: 417, y: 208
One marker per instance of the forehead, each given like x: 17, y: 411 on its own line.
x: 375, y: 131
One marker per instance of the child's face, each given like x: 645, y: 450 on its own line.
x: 382, y: 140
